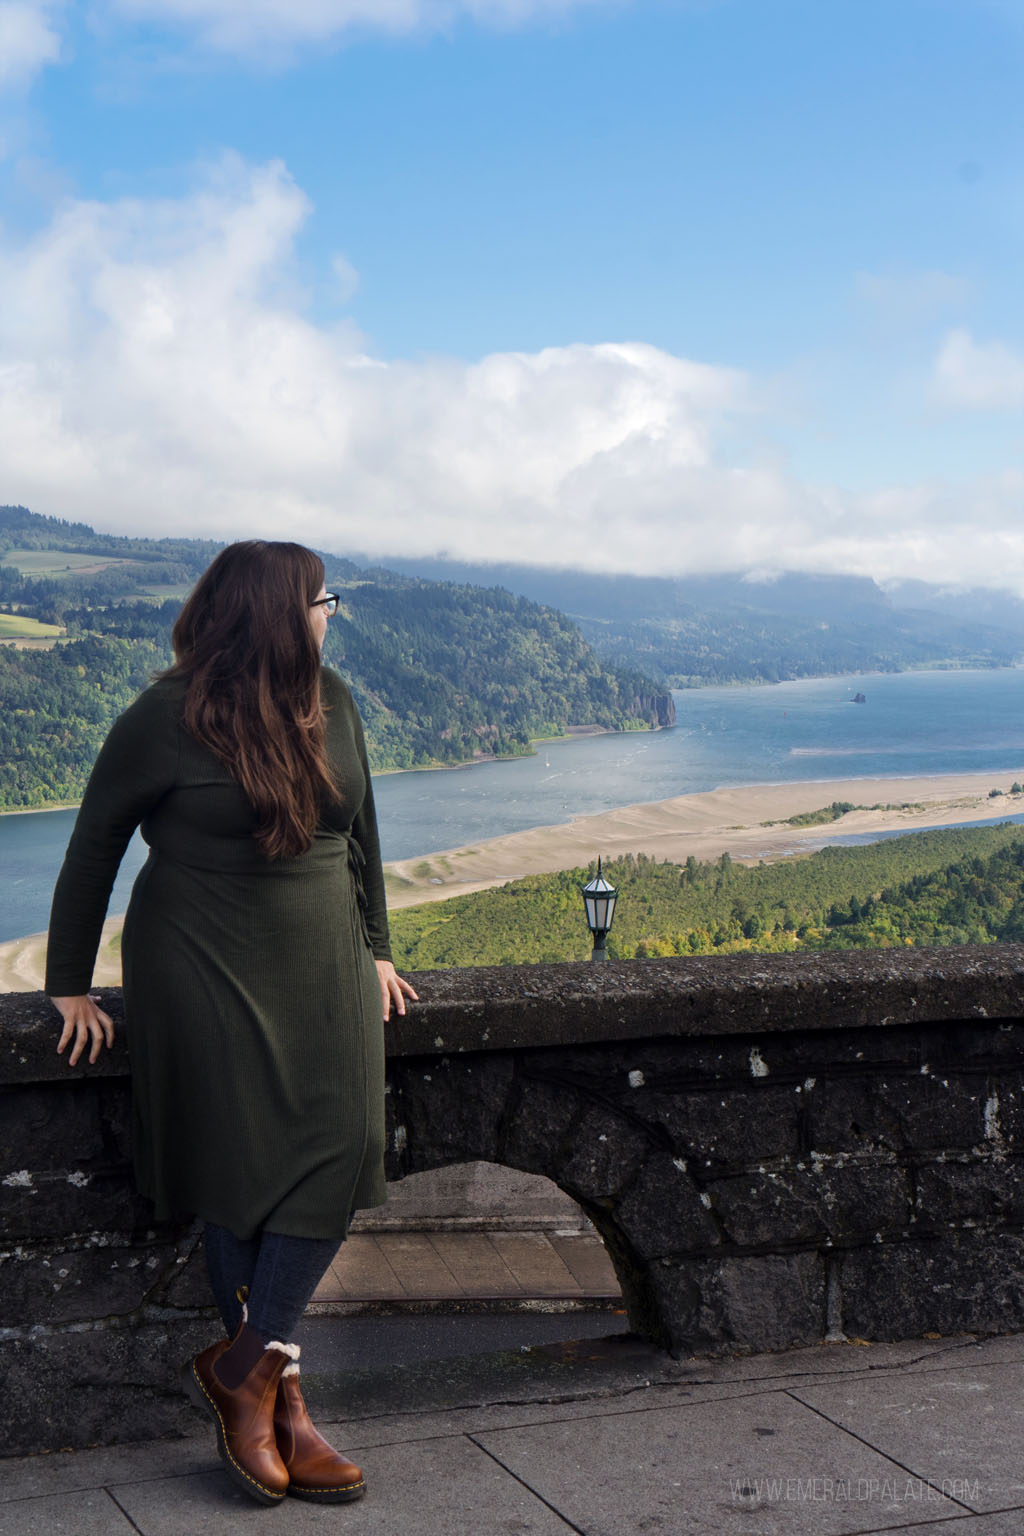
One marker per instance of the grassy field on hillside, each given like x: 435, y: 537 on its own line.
x: 163, y: 594
x: 15, y: 626
x: 61, y: 562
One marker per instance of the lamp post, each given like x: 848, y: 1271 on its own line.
x: 599, y: 904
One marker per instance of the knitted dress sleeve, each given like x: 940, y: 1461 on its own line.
x: 135, y: 769
x: 364, y: 830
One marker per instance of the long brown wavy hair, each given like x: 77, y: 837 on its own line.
x: 245, y: 646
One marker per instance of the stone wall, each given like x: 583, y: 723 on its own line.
x: 775, y: 1151
x: 474, y: 1197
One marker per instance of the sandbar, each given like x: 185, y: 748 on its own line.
x: 746, y: 822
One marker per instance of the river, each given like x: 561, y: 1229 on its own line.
x: 912, y: 724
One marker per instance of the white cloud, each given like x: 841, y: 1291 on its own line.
x: 249, y: 26
x: 978, y: 376
x: 960, y: 535
x: 28, y: 39
x: 155, y: 377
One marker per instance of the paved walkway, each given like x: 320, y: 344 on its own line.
x: 482, y: 1266
x: 601, y: 1437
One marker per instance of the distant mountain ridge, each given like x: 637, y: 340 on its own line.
x: 686, y: 631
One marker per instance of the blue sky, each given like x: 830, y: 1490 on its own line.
x: 730, y: 284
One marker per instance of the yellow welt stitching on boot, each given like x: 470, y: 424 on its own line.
x: 337, y: 1488
x: 271, y: 1492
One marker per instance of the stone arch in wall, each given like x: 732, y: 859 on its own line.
x: 482, y: 1232
x: 563, y: 1114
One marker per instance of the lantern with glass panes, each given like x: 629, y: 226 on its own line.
x: 599, y: 901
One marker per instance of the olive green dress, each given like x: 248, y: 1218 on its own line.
x: 251, y: 996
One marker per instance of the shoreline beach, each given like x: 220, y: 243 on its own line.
x: 747, y: 822
x: 38, y: 810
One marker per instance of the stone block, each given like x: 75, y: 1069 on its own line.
x: 986, y: 1191
x: 1004, y: 1110
x: 29, y: 1029
x: 835, y: 1052
x: 722, y: 1128
x: 115, y: 1105
x: 964, y: 1283
x: 776, y: 1301
x: 663, y: 1211
x: 65, y: 1160
x: 77, y: 1283
x: 479, y: 1194
x: 811, y: 1203
x: 50, y: 1126
x: 97, y: 1387
x: 676, y: 1065
x: 608, y: 1152
x: 592, y: 1069
x: 539, y: 1134
x: 447, y: 1110
x: 665, y: 1305
x: 896, y: 1112
x: 39, y: 1206
x: 185, y: 1282
x: 983, y: 1044
x: 396, y: 1137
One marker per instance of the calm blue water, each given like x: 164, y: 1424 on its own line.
x: 913, y: 723
x: 859, y: 839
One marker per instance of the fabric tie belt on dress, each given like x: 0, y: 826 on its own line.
x: 356, y: 864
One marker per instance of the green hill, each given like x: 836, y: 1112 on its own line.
x: 443, y: 673
x: 955, y: 886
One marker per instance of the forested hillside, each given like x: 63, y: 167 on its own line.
x: 956, y: 886
x: 744, y: 645
x: 442, y: 672
x: 694, y: 630
x: 55, y: 709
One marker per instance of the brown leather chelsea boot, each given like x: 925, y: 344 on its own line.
x: 315, y: 1469
x: 244, y: 1416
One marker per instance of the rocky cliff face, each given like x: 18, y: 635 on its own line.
x: 657, y: 708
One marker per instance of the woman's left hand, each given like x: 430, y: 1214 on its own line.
x: 393, y: 988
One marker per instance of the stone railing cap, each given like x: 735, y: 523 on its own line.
x: 504, y: 1007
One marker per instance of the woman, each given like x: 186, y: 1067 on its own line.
x: 256, y: 973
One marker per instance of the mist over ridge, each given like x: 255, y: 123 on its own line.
x: 732, y: 627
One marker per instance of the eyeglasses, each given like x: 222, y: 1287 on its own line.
x: 330, y: 602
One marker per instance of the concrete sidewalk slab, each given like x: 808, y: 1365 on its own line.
x: 1008, y: 1523
x: 599, y: 1437
x: 763, y: 1463
x: 60, y: 1472
x: 94, y: 1512
x: 998, y: 1351
x: 433, y: 1488
x: 961, y: 1429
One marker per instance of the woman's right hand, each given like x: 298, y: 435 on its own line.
x: 83, y: 1021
